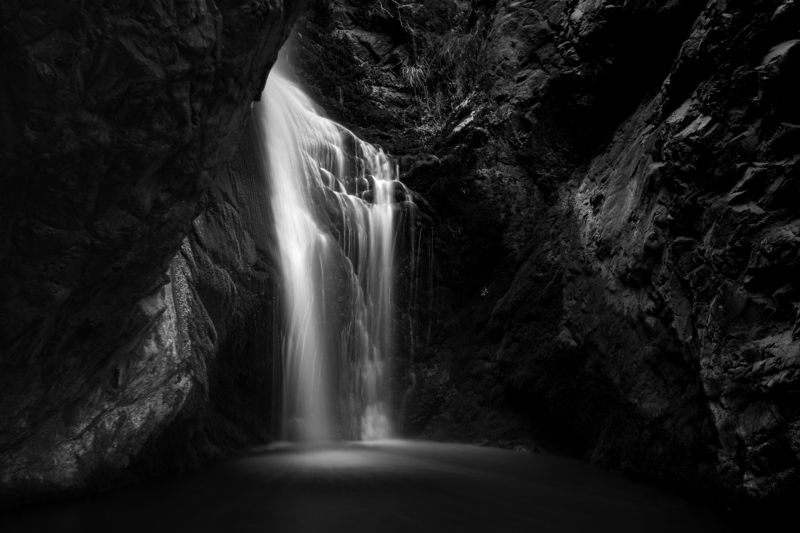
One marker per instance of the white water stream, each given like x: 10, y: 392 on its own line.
x: 333, y: 200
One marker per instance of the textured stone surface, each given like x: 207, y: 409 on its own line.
x: 612, y: 187
x: 194, y: 383
x: 116, y: 119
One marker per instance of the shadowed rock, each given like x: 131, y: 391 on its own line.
x: 115, y: 119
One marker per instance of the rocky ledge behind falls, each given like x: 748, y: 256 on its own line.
x: 615, y: 188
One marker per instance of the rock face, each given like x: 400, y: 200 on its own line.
x: 121, y: 309
x: 686, y: 242
x: 613, y: 190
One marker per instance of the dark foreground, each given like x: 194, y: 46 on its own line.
x: 386, y: 487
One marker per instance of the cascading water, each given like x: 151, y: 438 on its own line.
x: 333, y: 198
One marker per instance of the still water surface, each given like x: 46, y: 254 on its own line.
x: 383, y: 487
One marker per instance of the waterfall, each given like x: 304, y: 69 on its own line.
x: 334, y: 201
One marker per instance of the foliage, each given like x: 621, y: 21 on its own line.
x: 453, y: 60
x: 446, y: 70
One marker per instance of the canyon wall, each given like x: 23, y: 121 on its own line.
x: 135, y: 284
x: 612, y: 187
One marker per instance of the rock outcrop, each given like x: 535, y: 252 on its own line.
x: 131, y: 260
x: 612, y: 185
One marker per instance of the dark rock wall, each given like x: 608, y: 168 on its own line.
x: 118, y: 121
x: 223, y: 284
x: 613, y: 190
x: 683, y: 240
x: 195, y: 383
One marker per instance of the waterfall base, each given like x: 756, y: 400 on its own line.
x: 384, y: 486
